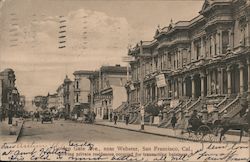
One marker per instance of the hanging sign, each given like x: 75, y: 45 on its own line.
x: 160, y: 80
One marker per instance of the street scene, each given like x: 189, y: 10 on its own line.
x: 103, y: 71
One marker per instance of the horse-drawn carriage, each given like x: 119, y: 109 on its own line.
x: 209, y: 131
x: 89, y: 117
x: 198, y: 130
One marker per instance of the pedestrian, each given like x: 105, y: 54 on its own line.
x: 110, y: 116
x: 38, y: 116
x: 127, y: 118
x: 115, y: 118
x: 173, y: 121
x: 94, y: 115
x: 1, y: 116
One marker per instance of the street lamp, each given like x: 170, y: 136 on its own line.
x: 142, y: 117
x: 10, y: 113
x: 141, y: 86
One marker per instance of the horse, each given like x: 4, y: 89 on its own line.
x: 241, y: 123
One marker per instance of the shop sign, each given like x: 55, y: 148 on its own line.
x: 103, y: 97
x: 160, y: 80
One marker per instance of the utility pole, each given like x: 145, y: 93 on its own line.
x: 141, y: 86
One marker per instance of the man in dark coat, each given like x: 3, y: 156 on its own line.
x: 110, y: 116
x: 194, y: 121
x: 127, y: 118
x: 115, y: 118
x: 173, y: 121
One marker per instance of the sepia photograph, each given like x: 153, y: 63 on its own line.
x: 125, y: 80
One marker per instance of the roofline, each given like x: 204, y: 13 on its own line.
x: 83, y: 72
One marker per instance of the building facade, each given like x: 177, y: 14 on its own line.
x: 10, y: 94
x: 40, y: 103
x: 189, y: 64
x: 68, y: 96
x: 52, y: 101
x: 107, y: 90
x: 60, y: 103
x: 1, y: 96
x: 22, y: 102
x: 82, y: 85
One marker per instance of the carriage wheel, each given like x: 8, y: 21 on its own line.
x: 203, y: 133
x: 214, y: 136
x: 187, y: 134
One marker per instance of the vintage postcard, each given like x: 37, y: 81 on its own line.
x: 125, y: 80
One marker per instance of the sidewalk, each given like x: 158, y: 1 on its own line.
x: 170, y: 132
x: 5, y: 130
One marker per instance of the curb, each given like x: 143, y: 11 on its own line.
x: 140, y: 131
x: 19, y: 132
x: 164, y: 135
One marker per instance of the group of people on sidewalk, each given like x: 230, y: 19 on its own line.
x: 115, y: 117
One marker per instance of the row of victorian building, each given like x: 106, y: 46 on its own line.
x: 101, y: 91
x: 11, y: 102
x: 202, y: 64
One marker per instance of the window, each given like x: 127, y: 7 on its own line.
x: 210, y: 46
x: 77, y: 98
x: 198, y: 49
x: 176, y: 57
x: 156, y: 64
x: 184, y: 56
x: 243, y: 37
x: 77, y: 84
x: 215, y: 46
x: 225, y: 41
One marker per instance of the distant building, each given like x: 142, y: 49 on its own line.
x: 22, y: 102
x: 52, y: 102
x: 81, y: 91
x: 40, y: 102
x: 9, y: 93
x: 107, y: 90
x: 68, y: 96
x: 60, y: 104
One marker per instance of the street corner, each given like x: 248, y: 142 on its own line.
x: 11, y: 133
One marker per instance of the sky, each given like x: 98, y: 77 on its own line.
x: 97, y: 32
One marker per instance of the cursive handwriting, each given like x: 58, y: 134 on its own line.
x: 86, y: 151
x: 161, y: 158
x: 126, y: 158
x: 75, y: 144
x: 95, y: 158
x: 8, y: 146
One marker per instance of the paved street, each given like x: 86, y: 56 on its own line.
x: 62, y: 130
